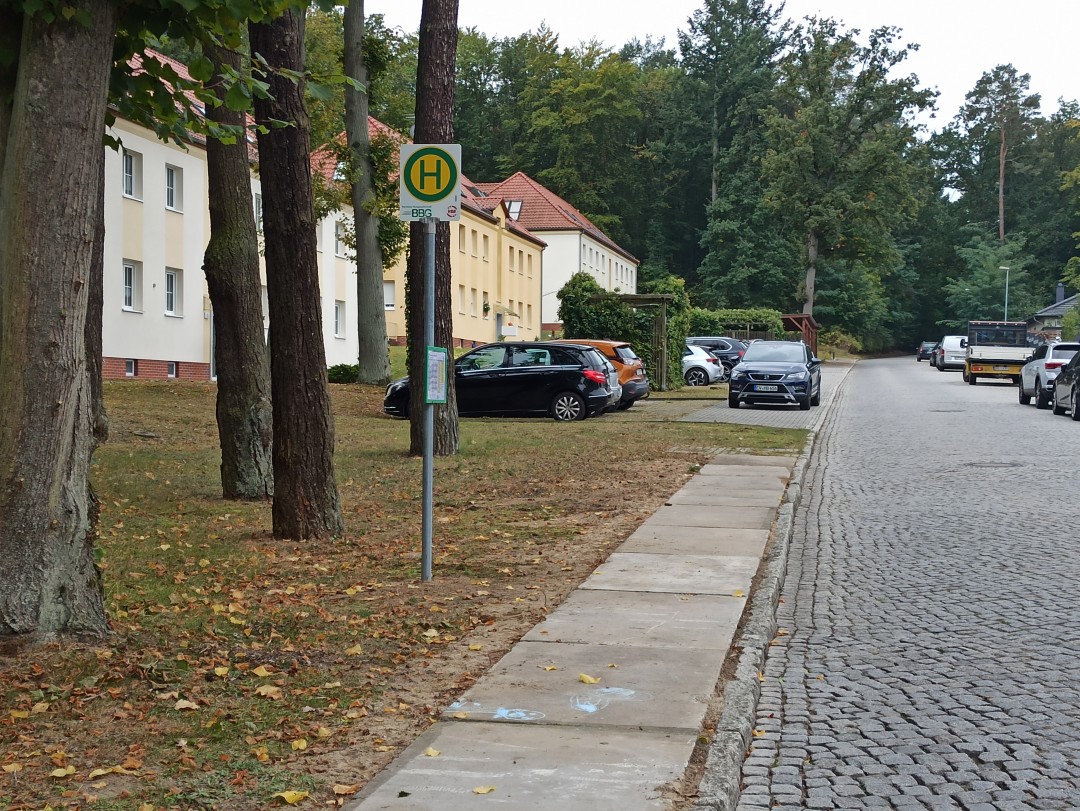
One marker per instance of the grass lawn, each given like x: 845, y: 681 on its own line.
x: 243, y: 667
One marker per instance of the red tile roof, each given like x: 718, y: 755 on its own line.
x: 543, y: 210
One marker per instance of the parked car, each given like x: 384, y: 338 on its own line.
x: 1037, y: 376
x: 519, y: 379
x: 924, y: 351
x: 728, y: 351
x: 952, y: 354
x: 935, y: 354
x: 635, y: 385
x: 1066, y: 395
x: 699, y: 368
x: 776, y: 372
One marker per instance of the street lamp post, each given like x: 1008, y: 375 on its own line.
x: 1006, y: 291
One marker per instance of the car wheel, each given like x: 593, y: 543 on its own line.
x: 1025, y: 398
x: 971, y: 379
x: 626, y: 405
x: 733, y: 402
x: 1041, y: 400
x: 941, y: 367
x: 815, y: 398
x: 804, y: 403
x: 696, y: 377
x: 1058, y: 409
x: 1076, y: 406
x: 567, y: 407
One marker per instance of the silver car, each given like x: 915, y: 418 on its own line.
x: 1037, y: 376
x: 700, y: 367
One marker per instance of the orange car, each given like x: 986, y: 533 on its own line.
x: 635, y: 385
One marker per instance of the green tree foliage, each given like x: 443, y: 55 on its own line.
x: 835, y: 171
x: 724, y: 321
x: 977, y: 291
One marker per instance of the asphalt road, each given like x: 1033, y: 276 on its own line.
x: 929, y: 653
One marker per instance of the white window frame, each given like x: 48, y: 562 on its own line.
x: 132, y: 286
x: 174, y: 188
x: 131, y: 184
x: 172, y: 369
x: 257, y: 202
x: 170, y: 292
x: 389, y: 301
x: 339, y: 319
x: 131, y: 368
x: 339, y: 243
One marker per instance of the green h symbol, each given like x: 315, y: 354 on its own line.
x: 426, y: 173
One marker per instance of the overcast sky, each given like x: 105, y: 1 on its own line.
x: 959, y: 39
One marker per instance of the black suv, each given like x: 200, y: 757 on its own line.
x: 777, y: 372
x: 728, y: 351
x: 520, y: 379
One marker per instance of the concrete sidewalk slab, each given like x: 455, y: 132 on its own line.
x: 645, y: 619
x: 703, y: 497
x: 743, y: 460
x: 674, y: 574
x: 667, y: 540
x: 640, y: 687
x: 725, y: 483
x: 677, y: 515
x: 594, y: 769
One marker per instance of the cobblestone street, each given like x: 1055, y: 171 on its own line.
x: 928, y: 655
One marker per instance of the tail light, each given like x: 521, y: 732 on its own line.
x: 595, y: 376
x: 714, y: 361
x: 1054, y: 364
x: 741, y: 351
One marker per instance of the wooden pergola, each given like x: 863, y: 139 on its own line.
x: 659, y: 335
x: 805, y: 325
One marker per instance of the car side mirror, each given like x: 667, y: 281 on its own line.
x: 963, y: 343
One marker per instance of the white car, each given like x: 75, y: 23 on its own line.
x: 700, y: 367
x: 1038, y: 375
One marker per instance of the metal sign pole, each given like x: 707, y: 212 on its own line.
x: 429, y: 408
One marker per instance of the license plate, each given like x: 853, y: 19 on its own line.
x: 766, y: 388
x: 1001, y: 368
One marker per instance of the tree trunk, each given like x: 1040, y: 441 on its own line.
x: 715, y: 149
x: 306, y: 501
x: 436, y: 61
x: 231, y: 264
x: 811, y: 270
x: 1002, y: 151
x: 374, y: 357
x: 51, y: 202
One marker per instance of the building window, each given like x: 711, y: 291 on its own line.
x: 485, y: 248
x: 513, y: 207
x: 173, y: 369
x: 528, y: 310
x: 339, y: 238
x: 339, y: 319
x: 510, y: 258
x: 472, y: 235
x: 132, y: 285
x: 132, y: 162
x: 461, y: 298
x: 131, y: 367
x: 461, y: 238
x: 174, y: 188
x: 487, y: 305
x: 521, y: 261
x: 388, y: 295
x: 472, y: 301
x: 174, y: 291
x: 258, y: 213
x: 528, y: 259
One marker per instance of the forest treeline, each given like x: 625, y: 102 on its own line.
x: 769, y: 162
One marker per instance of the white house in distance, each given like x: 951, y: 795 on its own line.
x: 574, y: 244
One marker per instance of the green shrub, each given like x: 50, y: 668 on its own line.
x: 343, y: 373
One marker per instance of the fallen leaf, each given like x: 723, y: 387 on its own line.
x: 460, y: 715
x: 147, y: 807
x: 40, y: 707
x: 11, y: 768
x: 342, y: 790
x: 323, y: 732
x: 483, y: 789
x: 59, y: 773
x: 184, y: 704
x: 431, y: 752
x: 758, y: 733
x: 547, y: 667
x: 355, y: 650
x: 268, y: 691
x: 760, y: 676
x: 261, y: 672
x: 737, y: 593
x: 299, y: 744
x: 221, y: 671
x: 20, y: 714
x: 586, y: 679
x: 613, y: 665
x: 292, y: 797
x: 430, y: 633
x: 474, y: 646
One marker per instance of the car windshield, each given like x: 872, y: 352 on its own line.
x: 625, y: 353
x: 775, y: 353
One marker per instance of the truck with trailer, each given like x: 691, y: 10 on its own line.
x: 996, y: 349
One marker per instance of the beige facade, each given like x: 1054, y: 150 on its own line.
x: 496, y: 269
